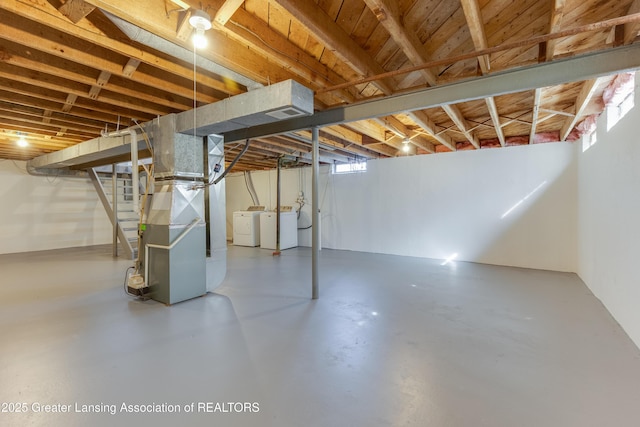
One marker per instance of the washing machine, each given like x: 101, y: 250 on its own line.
x: 288, y: 230
x: 246, y: 226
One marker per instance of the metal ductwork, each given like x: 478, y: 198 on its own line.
x: 270, y: 104
x: 174, y: 237
x: 147, y: 38
x: 185, y: 216
x: 260, y: 106
x: 95, y: 150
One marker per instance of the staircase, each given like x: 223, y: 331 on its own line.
x: 126, y: 221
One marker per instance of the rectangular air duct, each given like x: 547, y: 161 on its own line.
x: 260, y: 106
x: 283, y: 100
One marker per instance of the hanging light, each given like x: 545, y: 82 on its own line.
x: 201, y: 22
x: 405, y: 145
x: 22, y: 142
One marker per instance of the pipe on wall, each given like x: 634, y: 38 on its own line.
x: 134, y: 163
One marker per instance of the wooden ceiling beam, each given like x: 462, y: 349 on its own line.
x: 461, y: 123
x: 582, y: 101
x: 597, y: 26
x: 388, y: 15
x: 249, y: 29
x: 284, y: 145
x: 226, y: 11
x: 116, y: 101
x: 34, y: 96
x: 495, y: 118
x: 228, y: 52
x: 75, y: 10
x: 394, y: 125
x: 38, y: 142
x: 422, y: 119
x: 631, y: 30
x: 48, y: 116
x: 69, y: 102
x: 44, y: 14
x: 537, y: 96
x: 54, y: 66
x: 473, y: 16
x: 156, y: 90
x: 370, y: 128
x: 555, y: 21
x: 357, y: 150
x: 38, y: 127
x: 42, y: 62
x: 403, y: 133
x: 309, y: 14
x: 475, y: 23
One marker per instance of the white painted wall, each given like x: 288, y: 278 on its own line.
x: 609, y: 218
x: 513, y: 206
x: 40, y: 213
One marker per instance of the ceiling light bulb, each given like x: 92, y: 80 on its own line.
x: 199, y: 39
x: 22, y: 142
x: 200, y: 19
x: 201, y: 22
x: 405, y: 148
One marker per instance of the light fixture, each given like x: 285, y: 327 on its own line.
x: 405, y: 145
x: 22, y: 142
x: 201, y: 22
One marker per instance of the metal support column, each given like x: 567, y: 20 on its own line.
x: 315, y: 214
x: 277, y: 251
x: 114, y: 206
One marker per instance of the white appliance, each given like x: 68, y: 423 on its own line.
x: 246, y: 226
x: 288, y: 230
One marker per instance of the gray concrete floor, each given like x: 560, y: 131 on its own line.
x: 393, y: 341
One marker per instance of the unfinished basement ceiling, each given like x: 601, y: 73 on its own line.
x: 71, y: 69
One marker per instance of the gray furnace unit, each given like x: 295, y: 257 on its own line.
x: 173, y: 258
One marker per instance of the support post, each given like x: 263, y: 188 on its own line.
x: 315, y: 215
x: 114, y: 206
x: 277, y: 252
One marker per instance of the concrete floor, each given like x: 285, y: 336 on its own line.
x: 393, y: 341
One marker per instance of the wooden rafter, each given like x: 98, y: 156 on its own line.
x: 555, y: 20
x: 631, y: 29
x: 584, y: 97
x: 495, y: 118
x: 146, y: 15
x: 476, y: 28
x: 47, y: 18
x: 609, y: 23
x: 309, y: 14
x: 475, y: 23
x: 226, y: 11
x: 75, y: 10
x: 248, y: 29
x: 65, y: 76
x: 537, y: 97
x: 421, y: 118
x: 388, y: 14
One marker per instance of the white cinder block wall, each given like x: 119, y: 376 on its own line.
x: 40, y: 213
x: 514, y: 206
x: 609, y: 217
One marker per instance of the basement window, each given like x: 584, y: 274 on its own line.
x: 615, y: 113
x: 349, y: 167
x: 620, y: 98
